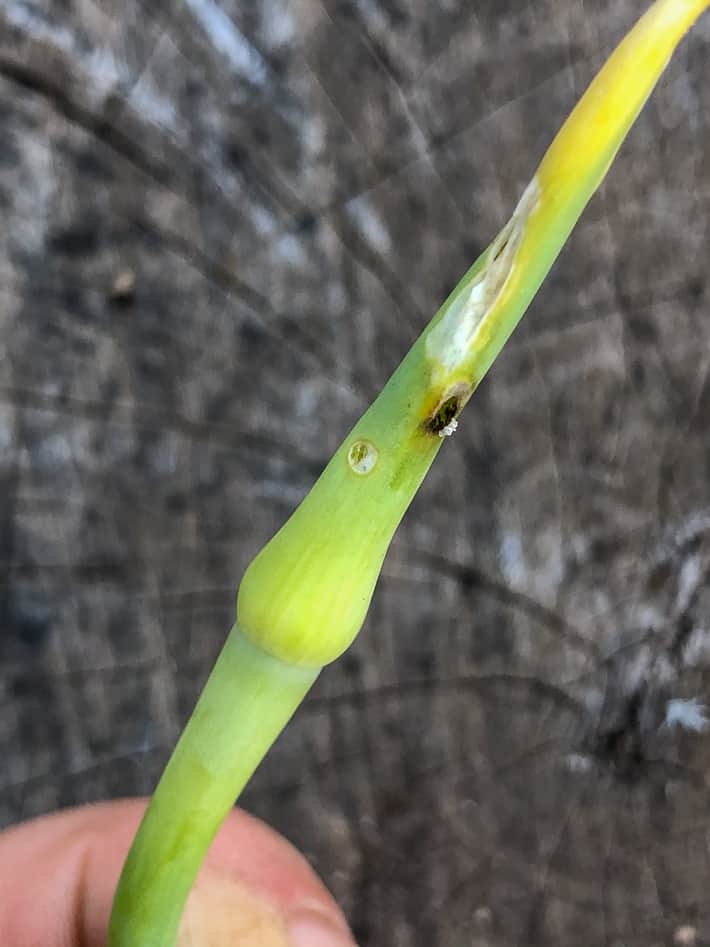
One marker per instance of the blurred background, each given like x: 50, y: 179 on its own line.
x: 223, y: 223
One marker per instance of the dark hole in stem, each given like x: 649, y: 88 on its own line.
x: 445, y: 414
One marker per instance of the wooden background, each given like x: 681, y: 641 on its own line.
x: 221, y: 227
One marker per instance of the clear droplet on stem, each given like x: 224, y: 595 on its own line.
x: 362, y: 457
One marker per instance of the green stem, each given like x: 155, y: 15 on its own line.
x: 248, y: 699
x: 304, y: 597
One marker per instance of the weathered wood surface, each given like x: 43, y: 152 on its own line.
x: 218, y: 237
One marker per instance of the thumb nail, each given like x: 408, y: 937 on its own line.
x: 222, y: 910
x: 310, y: 926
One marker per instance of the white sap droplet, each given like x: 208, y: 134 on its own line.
x: 362, y: 457
x: 449, y: 428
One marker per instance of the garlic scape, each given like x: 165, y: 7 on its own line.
x: 304, y: 597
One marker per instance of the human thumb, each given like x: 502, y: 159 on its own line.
x: 58, y: 875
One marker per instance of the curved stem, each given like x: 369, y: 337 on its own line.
x: 304, y: 597
x: 247, y: 701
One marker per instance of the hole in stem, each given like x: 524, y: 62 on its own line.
x: 444, y: 415
x: 443, y: 419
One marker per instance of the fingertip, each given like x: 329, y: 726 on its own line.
x: 58, y: 875
x: 257, y: 888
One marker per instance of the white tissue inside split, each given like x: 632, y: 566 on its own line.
x: 450, y: 340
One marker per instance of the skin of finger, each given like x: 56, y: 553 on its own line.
x: 58, y: 874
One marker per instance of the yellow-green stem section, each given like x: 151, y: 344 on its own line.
x: 247, y: 701
x: 304, y: 598
x: 306, y: 594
